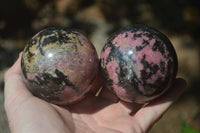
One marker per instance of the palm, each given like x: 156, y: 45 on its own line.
x: 94, y: 114
x: 103, y: 113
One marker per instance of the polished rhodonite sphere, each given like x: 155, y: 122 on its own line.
x: 59, y: 65
x: 138, y: 63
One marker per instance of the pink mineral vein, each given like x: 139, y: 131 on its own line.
x: 113, y: 69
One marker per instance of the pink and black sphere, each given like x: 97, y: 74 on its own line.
x: 138, y: 63
x: 60, y: 65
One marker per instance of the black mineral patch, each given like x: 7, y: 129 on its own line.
x: 46, y: 79
x: 158, y: 46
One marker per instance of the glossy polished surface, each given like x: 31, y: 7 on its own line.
x: 138, y: 63
x: 59, y: 66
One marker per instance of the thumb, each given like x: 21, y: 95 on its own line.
x: 14, y: 89
x: 150, y: 114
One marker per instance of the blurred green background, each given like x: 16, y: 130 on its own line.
x: 178, y: 19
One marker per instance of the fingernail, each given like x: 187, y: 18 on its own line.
x: 182, y: 82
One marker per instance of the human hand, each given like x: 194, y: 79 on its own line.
x: 104, y: 113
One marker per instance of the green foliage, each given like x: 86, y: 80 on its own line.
x: 187, y: 128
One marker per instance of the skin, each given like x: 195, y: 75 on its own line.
x: 103, y: 113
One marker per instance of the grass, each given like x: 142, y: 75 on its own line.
x: 187, y: 128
